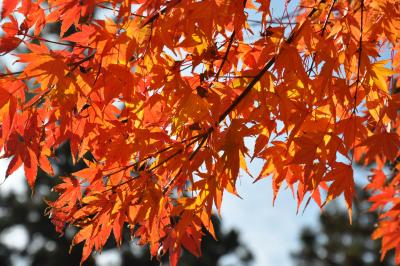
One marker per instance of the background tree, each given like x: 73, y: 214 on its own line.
x: 337, y: 242
x: 46, y: 247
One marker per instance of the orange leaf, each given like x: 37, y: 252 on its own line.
x: 30, y: 166
x: 8, y: 7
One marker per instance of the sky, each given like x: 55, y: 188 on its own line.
x: 271, y: 232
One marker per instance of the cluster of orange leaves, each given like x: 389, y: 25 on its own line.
x: 163, y: 94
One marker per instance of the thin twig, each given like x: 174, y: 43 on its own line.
x: 78, y: 63
x: 116, y: 10
x: 358, y: 69
x: 359, y: 55
x: 157, y: 14
x: 191, y: 156
x: 226, y: 54
x: 322, y: 33
x: 257, y: 78
x: 136, y: 164
x: 55, y: 42
x: 74, y: 66
x: 10, y: 74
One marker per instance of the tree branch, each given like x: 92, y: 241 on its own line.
x: 257, y: 78
x: 359, y: 55
x: 157, y: 14
x: 225, y: 55
x: 322, y: 32
x: 2, y: 75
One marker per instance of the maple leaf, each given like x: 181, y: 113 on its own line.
x: 8, y: 44
x: 385, y: 145
x: 8, y: 7
x: 343, y: 183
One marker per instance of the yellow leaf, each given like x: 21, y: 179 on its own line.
x: 380, y: 73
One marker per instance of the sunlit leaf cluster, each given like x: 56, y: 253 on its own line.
x: 162, y: 99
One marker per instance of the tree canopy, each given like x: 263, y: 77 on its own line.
x: 159, y: 98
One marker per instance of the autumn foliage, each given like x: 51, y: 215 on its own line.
x: 163, y: 94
